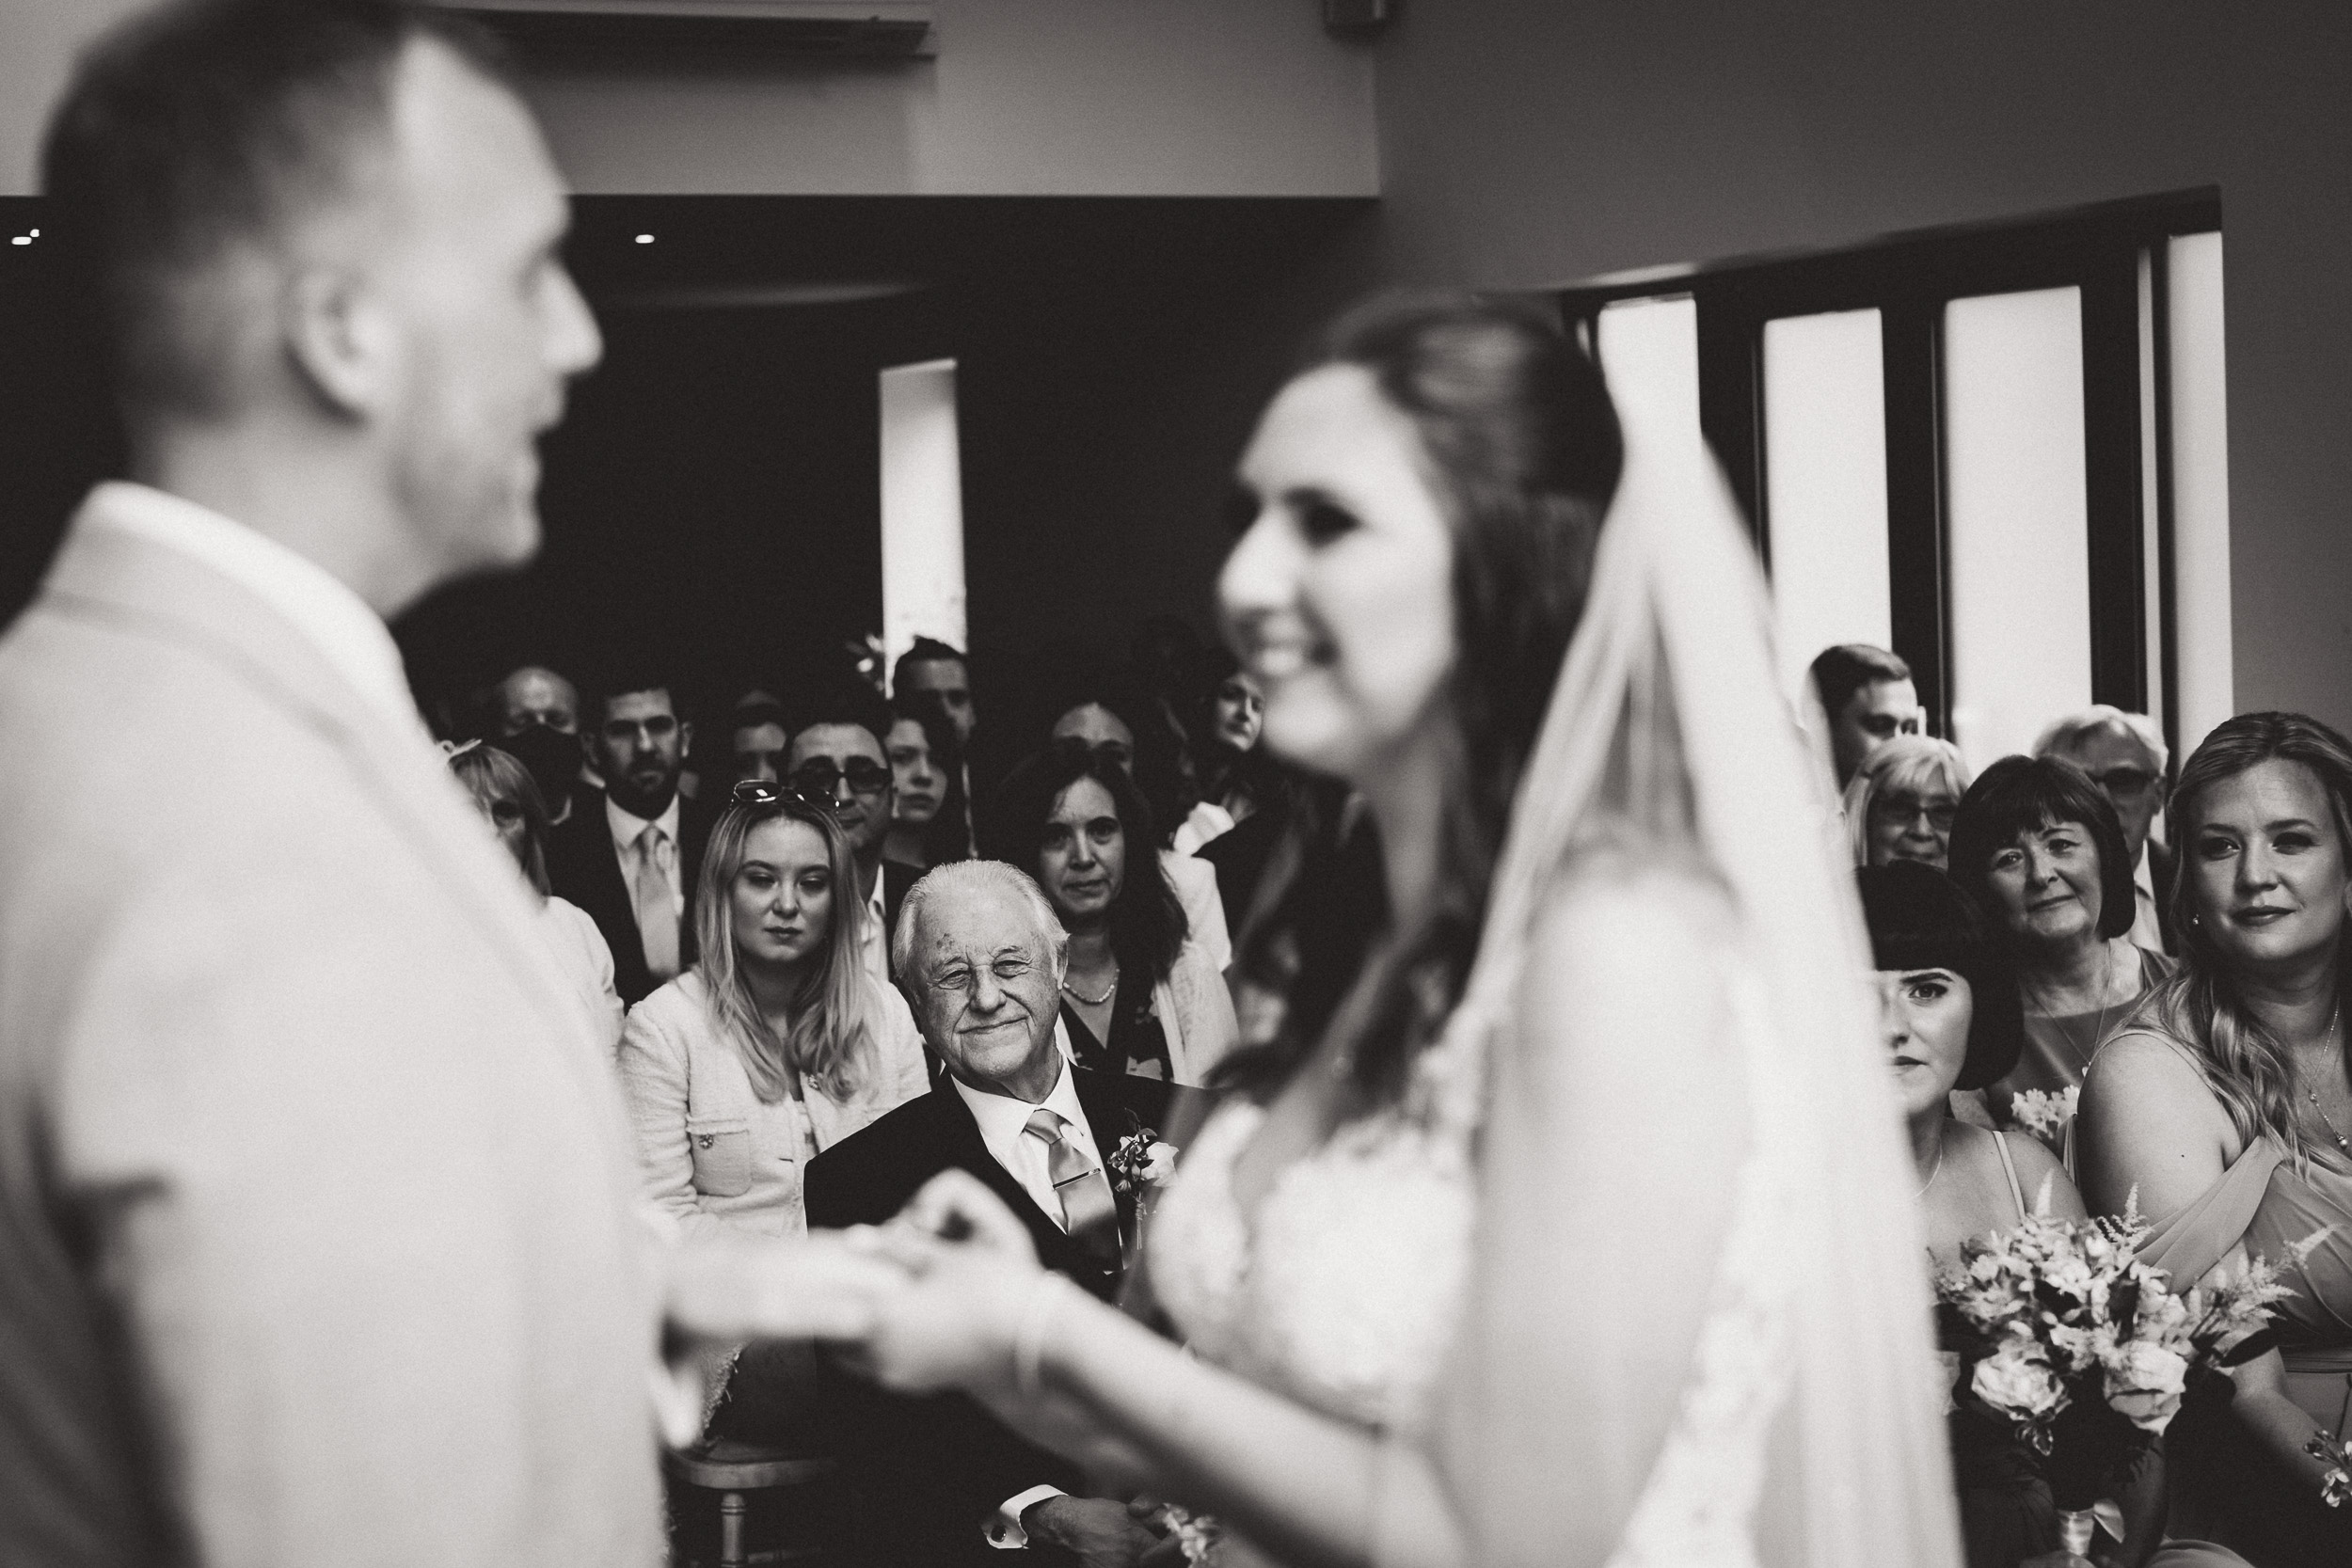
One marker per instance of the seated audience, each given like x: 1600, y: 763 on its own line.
x: 1096, y: 724
x: 931, y: 822
x: 1950, y: 1010
x: 1866, y: 695
x: 2038, y: 846
x: 1900, y: 804
x: 510, y: 803
x: 980, y: 955
x: 757, y: 734
x: 534, y: 716
x: 630, y: 853
x: 1237, y: 779
x: 2224, y: 1112
x: 1139, y: 996
x: 777, y: 1044
x: 2126, y: 756
x: 836, y: 759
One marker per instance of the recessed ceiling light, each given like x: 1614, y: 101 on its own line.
x: 22, y: 238
x: 645, y: 238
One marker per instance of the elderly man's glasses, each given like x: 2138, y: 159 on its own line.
x: 820, y: 779
x: 2123, y: 781
x: 1907, y: 809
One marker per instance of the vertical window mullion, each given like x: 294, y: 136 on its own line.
x: 1916, y: 572
x: 2113, y: 480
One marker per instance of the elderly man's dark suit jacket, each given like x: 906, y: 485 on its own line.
x: 940, y: 1467
x: 583, y: 867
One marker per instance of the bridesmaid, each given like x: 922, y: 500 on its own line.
x: 2225, y: 1108
x: 2038, y: 848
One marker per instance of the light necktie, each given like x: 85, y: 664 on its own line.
x: 656, y: 904
x: 1090, y: 1212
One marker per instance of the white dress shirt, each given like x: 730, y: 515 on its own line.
x: 874, y: 946
x: 626, y: 828
x: 1004, y: 1126
x: 319, y: 605
x: 2146, y: 932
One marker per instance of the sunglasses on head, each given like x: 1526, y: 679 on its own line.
x: 819, y: 779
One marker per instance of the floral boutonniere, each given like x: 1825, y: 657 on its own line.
x: 1141, y: 1159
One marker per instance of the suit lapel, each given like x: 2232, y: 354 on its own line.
x: 969, y: 1150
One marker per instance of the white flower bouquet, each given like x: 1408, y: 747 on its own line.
x: 2083, y: 1351
x: 2044, y: 1114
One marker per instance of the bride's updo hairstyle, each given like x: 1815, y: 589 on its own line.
x: 2201, y: 1005
x: 1521, y: 447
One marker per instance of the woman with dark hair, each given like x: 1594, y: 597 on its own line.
x: 1238, y: 778
x: 2224, y: 1111
x: 777, y: 1043
x: 1520, y: 1252
x: 2038, y: 846
x: 1139, y: 995
x: 930, y: 823
x: 510, y: 801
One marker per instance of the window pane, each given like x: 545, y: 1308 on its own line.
x: 1825, y: 485
x: 922, y: 508
x: 1649, y: 351
x: 2019, y: 519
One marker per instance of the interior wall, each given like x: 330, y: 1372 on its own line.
x: 1023, y: 96
x: 1524, y: 142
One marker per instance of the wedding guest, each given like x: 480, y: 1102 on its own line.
x: 2124, y: 754
x: 1949, y: 1009
x: 535, y: 719
x: 319, y: 1248
x: 1865, y: 694
x: 979, y: 954
x: 930, y: 665
x: 836, y: 759
x: 509, y: 801
x: 2038, y: 846
x: 1096, y: 722
x: 632, y: 852
x: 778, y: 1044
x: 758, y: 734
x: 1900, y: 804
x: 931, y: 822
x: 2223, y: 1111
x: 1237, y: 779
x: 1138, y: 996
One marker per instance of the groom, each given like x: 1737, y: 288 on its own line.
x: 980, y: 956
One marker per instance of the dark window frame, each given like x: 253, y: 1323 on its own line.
x: 1909, y: 278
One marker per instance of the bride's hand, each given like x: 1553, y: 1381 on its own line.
x: 822, y: 1286
x: 955, y: 1206
x: 968, y: 1276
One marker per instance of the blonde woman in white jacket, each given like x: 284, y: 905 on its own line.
x: 776, y: 1044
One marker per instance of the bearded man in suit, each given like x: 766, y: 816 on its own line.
x: 980, y: 957
x: 319, y: 1229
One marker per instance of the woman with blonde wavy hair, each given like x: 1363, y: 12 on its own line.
x: 2225, y: 1109
x: 777, y: 1044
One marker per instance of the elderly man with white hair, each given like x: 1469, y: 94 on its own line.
x: 980, y: 957
x: 2126, y: 756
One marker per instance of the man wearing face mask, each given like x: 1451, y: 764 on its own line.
x: 535, y: 719
x: 630, y: 855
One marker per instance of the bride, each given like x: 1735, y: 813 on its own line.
x: 1573, y: 1235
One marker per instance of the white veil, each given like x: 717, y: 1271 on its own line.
x: 1667, y: 711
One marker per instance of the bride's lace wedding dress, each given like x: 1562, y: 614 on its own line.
x: 1344, y: 1292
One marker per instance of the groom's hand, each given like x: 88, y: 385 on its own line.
x: 821, y: 1287
x: 1098, y: 1532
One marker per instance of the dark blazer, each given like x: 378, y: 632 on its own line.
x: 939, y: 1469
x: 583, y: 867
x: 897, y: 878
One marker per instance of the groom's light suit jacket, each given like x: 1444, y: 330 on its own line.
x: 317, y: 1236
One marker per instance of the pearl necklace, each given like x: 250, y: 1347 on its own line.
x: 1084, y: 1000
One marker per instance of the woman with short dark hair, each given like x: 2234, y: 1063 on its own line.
x: 1139, y: 994
x: 2038, y: 846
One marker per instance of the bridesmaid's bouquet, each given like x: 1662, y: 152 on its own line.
x: 2083, y: 1351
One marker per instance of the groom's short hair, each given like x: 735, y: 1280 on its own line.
x: 206, y: 127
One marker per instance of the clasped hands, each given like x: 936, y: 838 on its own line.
x: 932, y: 1299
